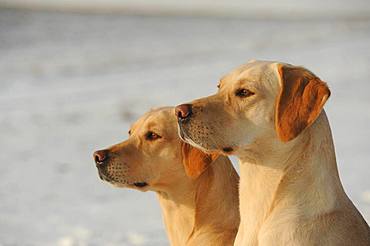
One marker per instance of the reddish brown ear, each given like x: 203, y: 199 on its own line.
x: 301, y: 99
x: 195, y: 161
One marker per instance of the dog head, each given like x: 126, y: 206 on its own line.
x: 255, y: 102
x: 153, y: 157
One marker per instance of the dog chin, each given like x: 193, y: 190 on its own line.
x: 140, y: 186
x: 130, y: 186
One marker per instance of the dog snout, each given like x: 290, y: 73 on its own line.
x: 183, y: 111
x: 101, y: 157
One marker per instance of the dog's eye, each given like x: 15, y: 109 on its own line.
x: 243, y: 93
x: 129, y: 132
x: 151, y: 136
x: 218, y: 86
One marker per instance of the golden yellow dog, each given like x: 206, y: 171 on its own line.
x: 199, y: 201
x: 270, y: 115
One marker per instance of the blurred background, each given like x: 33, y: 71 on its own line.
x: 75, y: 74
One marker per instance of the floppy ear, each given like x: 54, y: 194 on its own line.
x: 301, y: 99
x: 195, y: 161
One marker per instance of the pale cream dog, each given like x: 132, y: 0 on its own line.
x: 198, y: 193
x: 270, y: 115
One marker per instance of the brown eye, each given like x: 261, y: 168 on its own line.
x: 243, y: 93
x: 218, y: 86
x: 151, y: 136
x: 129, y: 132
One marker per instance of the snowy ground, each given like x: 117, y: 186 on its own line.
x: 71, y: 84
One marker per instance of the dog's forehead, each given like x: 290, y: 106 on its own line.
x: 159, y: 118
x: 256, y: 70
x: 252, y: 71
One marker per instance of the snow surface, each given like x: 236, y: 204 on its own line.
x: 72, y: 83
x: 286, y: 9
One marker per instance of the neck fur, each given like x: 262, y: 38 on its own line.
x: 284, y: 172
x: 194, y: 206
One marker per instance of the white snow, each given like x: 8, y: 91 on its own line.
x: 71, y: 84
x: 286, y: 9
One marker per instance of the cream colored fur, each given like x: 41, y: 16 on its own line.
x: 290, y: 192
x: 200, y: 210
x: 204, y: 211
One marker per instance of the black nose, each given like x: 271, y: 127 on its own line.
x: 183, y: 111
x: 101, y: 157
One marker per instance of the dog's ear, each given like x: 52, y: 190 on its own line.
x: 301, y: 99
x: 195, y: 161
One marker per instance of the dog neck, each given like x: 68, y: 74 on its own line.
x: 193, y: 209
x: 289, y: 175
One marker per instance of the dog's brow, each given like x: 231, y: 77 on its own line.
x: 247, y: 81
